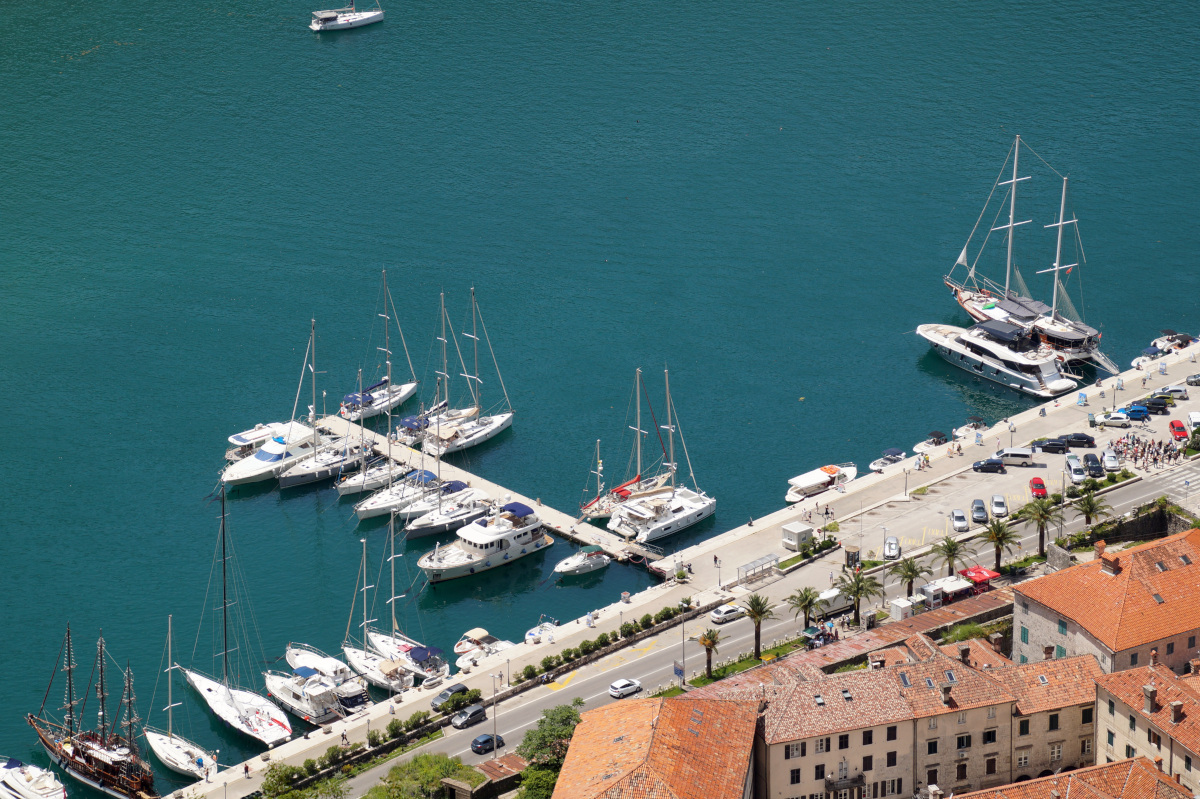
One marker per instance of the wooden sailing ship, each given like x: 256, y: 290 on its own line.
x: 105, y: 758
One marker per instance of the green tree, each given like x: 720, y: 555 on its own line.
x: 545, y: 746
x: 1043, y: 513
x: 806, y: 601
x: 759, y: 609
x: 950, y: 552
x: 858, y: 586
x: 1091, y: 507
x: 1001, y: 537
x: 278, y: 779
x: 709, y: 640
x: 332, y: 789
x: 909, y: 571
x: 419, y: 778
x: 537, y: 783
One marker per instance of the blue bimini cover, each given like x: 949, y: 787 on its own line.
x: 380, y: 384
x: 423, y: 477
x: 305, y: 672
x: 420, y: 654
x: 453, y: 487
x: 1151, y: 351
x: 518, y: 509
x: 893, y: 452
x: 414, y: 423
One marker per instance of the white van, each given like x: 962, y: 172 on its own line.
x: 1193, y: 420
x: 1075, y: 470
x: 1015, y: 456
x: 835, y: 602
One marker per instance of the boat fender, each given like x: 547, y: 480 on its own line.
x: 522, y: 551
x: 487, y: 564
x: 506, y: 556
x: 472, y: 570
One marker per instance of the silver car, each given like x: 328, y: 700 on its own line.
x: 1109, y: 459
x: 999, y: 506
x: 958, y: 520
x: 891, y: 548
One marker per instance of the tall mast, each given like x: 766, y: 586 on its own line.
x: 1058, y: 265
x: 475, y: 340
x: 128, y: 703
x: 387, y: 348
x: 444, y: 385
x: 365, y: 588
x: 637, y: 424
x: 101, y: 690
x: 224, y: 603
x: 69, y: 720
x: 392, y: 564
x: 170, y: 666
x: 1012, y: 211
x: 670, y: 427
x: 312, y: 416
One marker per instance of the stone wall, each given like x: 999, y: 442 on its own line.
x: 1058, y: 558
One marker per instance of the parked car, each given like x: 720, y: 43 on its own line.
x: 979, y: 513
x: 990, y: 465
x: 1193, y: 380
x: 1114, y: 419
x: 1166, y: 399
x: 623, y: 688
x: 1053, y: 446
x: 485, y: 743
x: 727, y: 612
x: 1111, y: 462
x: 1179, y: 392
x: 999, y: 506
x: 1075, y: 470
x: 958, y: 521
x: 1037, y: 487
x: 891, y: 548
x: 457, y: 688
x: 1178, y: 431
x: 1078, y: 440
x: 1137, y: 413
x: 471, y: 714
x: 1091, y: 464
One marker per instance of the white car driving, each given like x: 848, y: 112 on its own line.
x: 1114, y: 419
x: 726, y: 613
x: 622, y: 688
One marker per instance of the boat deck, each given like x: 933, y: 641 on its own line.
x: 555, y: 521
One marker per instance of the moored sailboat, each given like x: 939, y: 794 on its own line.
x: 173, y: 750
x: 375, y: 668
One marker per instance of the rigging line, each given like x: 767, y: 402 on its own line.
x: 300, y: 385
x: 463, y: 364
x: 86, y: 694
x: 1043, y: 160
x: 361, y: 577
x: 212, y: 566
x: 403, y: 343
x: 978, y: 255
x: 161, y: 659
x: 54, y: 674
x: 657, y: 429
x: 488, y: 339
x: 686, y: 457
x: 986, y: 202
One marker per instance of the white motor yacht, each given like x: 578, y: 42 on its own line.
x: 344, y: 18
x: 589, y: 559
x: 661, y: 514
x: 452, y: 512
x: 544, y: 629
x: 890, y: 456
x: 338, y: 457
x: 351, y: 688
x: 415, y: 485
x: 488, y: 647
x: 271, y: 458
x: 247, y: 442
x: 512, y: 532
x: 809, y: 484
x: 245, y: 711
x: 306, y: 693
x: 22, y: 781
x: 1000, y: 352
x: 471, y: 639
x: 374, y: 400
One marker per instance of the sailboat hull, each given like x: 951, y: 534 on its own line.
x: 388, y: 399
x: 469, y: 435
x: 181, y: 755
x: 247, y: 712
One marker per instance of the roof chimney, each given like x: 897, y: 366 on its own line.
x: 945, y: 693
x: 1194, y: 666
x: 1110, y: 563
x: 1100, y: 545
x: 1153, y: 657
x: 1158, y: 763
x: 1151, y: 694
x: 935, y: 792
x: 1048, y: 653
x: 1054, y: 793
x: 964, y: 653
x: 997, y: 641
x: 1176, y: 712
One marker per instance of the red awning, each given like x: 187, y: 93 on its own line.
x: 978, y: 574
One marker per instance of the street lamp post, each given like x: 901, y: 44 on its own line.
x: 906, y: 471
x: 683, y: 653
x: 718, y: 574
x: 495, y: 713
x: 1012, y: 431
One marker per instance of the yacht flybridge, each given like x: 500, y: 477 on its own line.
x: 1003, y: 353
x: 512, y: 532
x: 1057, y: 326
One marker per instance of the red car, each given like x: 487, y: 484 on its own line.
x: 1178, y: 430
x: 1037, y: 488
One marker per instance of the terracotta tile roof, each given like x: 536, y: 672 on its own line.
x: 680, y: 748
x: 1125, y: 779
x: 503, y: 766
x: 1050, y: 684
x: 1120, y: 609
x: 983, y: 655
x: 1127, y: 686
x: 969, y: 687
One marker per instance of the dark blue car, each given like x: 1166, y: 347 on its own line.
x: 1138, y: 413
x: 990, y: 465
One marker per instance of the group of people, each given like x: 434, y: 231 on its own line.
x: 1147, y: 452
x: 923, y: 461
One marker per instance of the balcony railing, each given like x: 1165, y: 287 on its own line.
x: 833, y: 783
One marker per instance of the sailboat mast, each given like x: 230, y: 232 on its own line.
x: 1062, y: 210
x: 1012, y: 216
x: 170, y: 704
x: 392, y: 563
x: 312, y: 416
x: 637, y: 423
x: 364, y: 597
x: 444, y: 385
x: 101, y: 690
x: 70, y: 721
x: 670, y: 427
x: 224, y: 604
x: 128, y: 703
x: 475, y: 340
x: 387, y: 346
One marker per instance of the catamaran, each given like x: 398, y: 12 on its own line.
x: 1058, y: 326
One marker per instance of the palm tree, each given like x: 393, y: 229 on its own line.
x: 909, y: 570
x: 1090, y: 506
x: 709, y: 640
x: 858, y: 586
x: 950, y: 552
x: 759, y: 609
x: 807, y: 601
x: 1042, y: 512
x: 1001, y: 537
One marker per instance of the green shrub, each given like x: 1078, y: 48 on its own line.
x: 310, y: 767
x: 568, y: 655
x: 549, y: 662
x: 832, y: 527
x: 665, y: 614
x: 1111, y: 477
x: 416, y: 720
x: 681, y: 575
x: 628, y: 629
x: 685, y: 603
x: 473, y: 696
x: 647, y: 621
x: 1073, y: 492
x: 1126, y: 474
x: 601, y: 640
x: 587, y: 647
x: 395, y: 728
x: 374, y: 738
x: 1056, y: 499
x: 529, y: 672
x: 1091, y: 485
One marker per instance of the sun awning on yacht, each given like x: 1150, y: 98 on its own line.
x: 892, y: 452
x: 325, y: 16
x: 1002, y: 331
x: 518, y: 509
x: 305, y: 672
x: 476, y: 633
x: 453, y: 487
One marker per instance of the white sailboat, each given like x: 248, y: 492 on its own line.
x: 376, y: 669
x: 449, y: 434
x: 248, y: 712
x: 415, y: 485
x: 446, y: 513
x: 337, y: 457
x: 511, y: 533
x: 669, y: 510
x: 174, y: 751
x: 386, y: 394
x: 22, y: 781
x: 345, y: 18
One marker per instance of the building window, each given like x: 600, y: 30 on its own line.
x: 1055, y: 752
x: 1133, y: 659
x: 1024, y: 606
x: 992, y: 712
x: 931, y: 747
x: 933, y: 722
x: 931, y: 777
x: 1059, y: 652
x: 1187, y: 762
x: 1129, y: 751
x: 1024, y: 659
x: 795, y: 776
x: 819, y: 771
x: 989, y: 765
x: 868, y: 737
x: 843, y: 770
x: 1053, y: 721
x: 844, y: 741
x: 1023, y: 727
x: 1062, y: 627
x: 1024, y: 634
x: 891, y: 759
x: 962, y: 717
x: 1111, y: 739
x: 1132, y: 722
x: 1191, y: 642
x: 822, y: 745
x: 961, y: 772
x: 989, y: 737
x: 1023, y: 760
x: 964, y: 742
x: 1154, y: 738
x: 1087, y: 715
x: 1085, y: 747
x: 891, y: 733
x: 1171, y: 648
x: 793, y: 750
x: 868, y: 763
x: 1112, y: 708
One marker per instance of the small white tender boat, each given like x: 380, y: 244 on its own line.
x: 589, y: 559
x: 812, y: 483
x: 344, y: 18
x: 890, y: 456
x: 487, y: 647
x: 471, y: 639
x: 22, y: 781
x: 545, y: 628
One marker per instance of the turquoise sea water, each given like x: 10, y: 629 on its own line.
x: 763, y: 198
